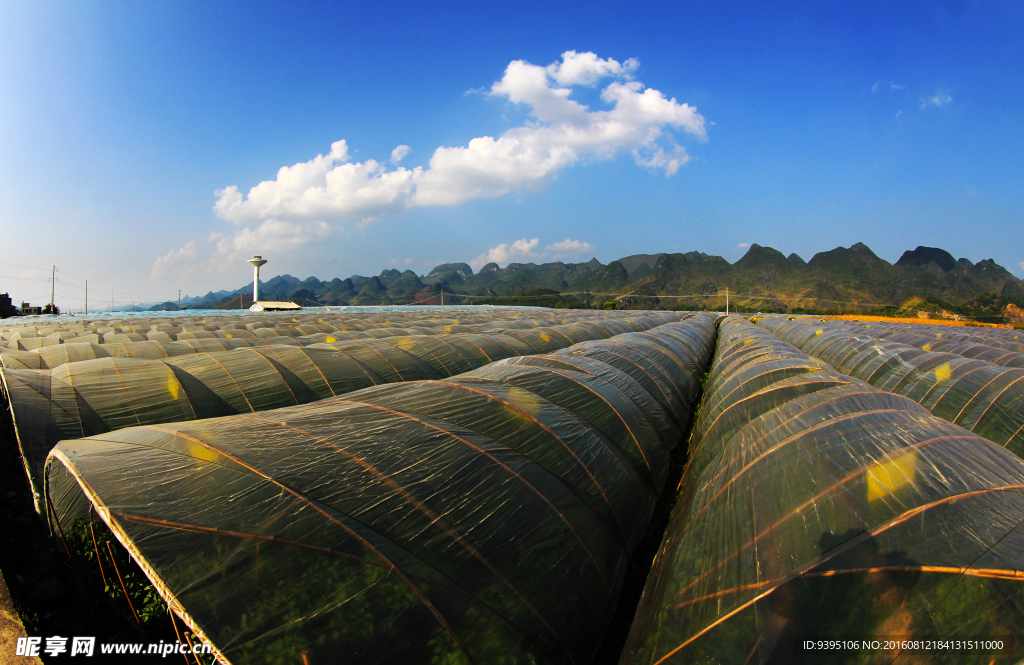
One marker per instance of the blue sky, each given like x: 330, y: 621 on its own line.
x: 134, y: 134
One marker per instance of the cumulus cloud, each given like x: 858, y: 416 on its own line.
x: 896, y: 86
x: 587, y: 69
x: 224, y: 253
x: 743, y: 245
x: 399, y: 153
x: 569, y: 249
x: 670, y: 160
x: 174, y: 260
x: 938, y: 100
x: 503, y: 254
x: 308, y: 201
x: 282, y: 236
x: 401, y: 262
x: 639, y: 120
x: 1021, y: 264
x: 327, y: 186
x: 524, y: 250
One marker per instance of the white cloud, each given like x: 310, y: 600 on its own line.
x: 226, y: 254
x: 327, y: 186
x: 1021, y: 264
x: 570, y: 247
x: 587, y: 69
x: 743, y: 245
x: 938, y: 100
x: 281, y: 237
x: 564, y: 130
x: 299, y: 206
x: 642, y: 121
x: 890, y: 86
x: 399, y: 153
x: 174, y: 260
x: 503, y: 254
x: 401, y: 262
x: 524, y: 250
x: 661, y: 159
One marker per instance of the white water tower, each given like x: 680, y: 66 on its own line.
x: 256, y: 262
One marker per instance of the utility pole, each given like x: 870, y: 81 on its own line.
x: 179, y: 300
x: 727, y: 301
x: 87, y: 297
x: 442, y: 299
x: 53, y: 282
x: 111, y: 299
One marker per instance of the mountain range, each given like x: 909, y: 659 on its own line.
x: 845, y: 278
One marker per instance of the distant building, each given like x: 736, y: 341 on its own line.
x: 7, y: 308
x: 272, y: 306
x: 27, y: 310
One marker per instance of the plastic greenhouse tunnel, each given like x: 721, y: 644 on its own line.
x: 87, y: 397
x: 483, y: 518
x: 976, y: 394
x: 817, y: 509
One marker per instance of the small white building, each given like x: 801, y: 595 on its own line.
x: 273, y: 306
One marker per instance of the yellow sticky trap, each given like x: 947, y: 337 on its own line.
x: 887, y: 477
x: 455, y: 322
x: 405, y: 343
x: 546, y: 337
x: 173, y: 387
x: 926, y: 347
x: 938, y: 335
x: 525, y: 400
x: 943, y: 372
x: 229, y: 335
x: 201, y: 453
x: 330, y: 339
x: 818, y: 332
x: 293, y: 320
x: 447, y: 329
x: 748, y: 341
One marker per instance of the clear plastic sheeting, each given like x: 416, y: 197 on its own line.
x: 815, y: 506
x: 485, y: 518
x: 995, y: 345
x: 1001, y: 338
x: 984, y: 398
x: 229, y: 331
x: 87, y: 397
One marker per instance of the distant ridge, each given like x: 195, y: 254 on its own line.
x: 842, y: 278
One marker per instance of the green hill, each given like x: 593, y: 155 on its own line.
x: 842, y: 279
